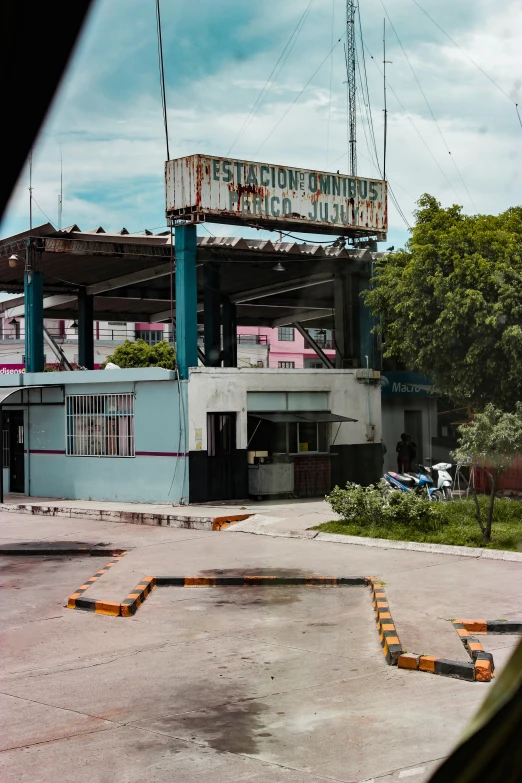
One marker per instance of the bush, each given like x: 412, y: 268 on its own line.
x: 370, y: 507
x: 140, y: 354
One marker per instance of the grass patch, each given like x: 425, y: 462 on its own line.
x: 453, y: 523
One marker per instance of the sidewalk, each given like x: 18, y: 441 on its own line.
x: 283, y: 514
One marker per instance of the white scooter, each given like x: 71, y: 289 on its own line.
x: 444, y: 479
x: 442, y: 487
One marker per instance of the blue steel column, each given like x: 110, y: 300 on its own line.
x: 186, y: 299
x: 85, y: 330
x: 33, y: 310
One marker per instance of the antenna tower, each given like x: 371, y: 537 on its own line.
x: 60, y: 196
x: 351, y: 61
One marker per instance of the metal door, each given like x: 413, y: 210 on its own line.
x: 16, y: 452
x: 221, y: 450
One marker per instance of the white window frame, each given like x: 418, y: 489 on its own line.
x: 100, y: 425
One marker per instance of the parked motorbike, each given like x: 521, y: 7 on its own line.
x: 420, y: 483
x: 444, y: 481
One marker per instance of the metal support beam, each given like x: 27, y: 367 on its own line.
x: 229, y: 333
x: 280, y: 288
x: 303, y: 315
x: 310, y: 340
x: 368, y: 341
x: 186, y: 300
x: 212, y: 315
x: 85, y: 330
x: 33, y: 310
x: 55, y: 348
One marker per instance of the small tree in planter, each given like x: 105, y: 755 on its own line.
x: 491, y: 441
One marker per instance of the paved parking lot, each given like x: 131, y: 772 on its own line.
x: 219, y: 684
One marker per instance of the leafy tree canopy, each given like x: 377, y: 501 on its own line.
x: 451, y: 303
x: 140, y: 354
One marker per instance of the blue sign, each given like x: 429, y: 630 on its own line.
x: 410, y: 384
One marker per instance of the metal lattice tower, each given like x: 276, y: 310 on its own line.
x: 351, y: 59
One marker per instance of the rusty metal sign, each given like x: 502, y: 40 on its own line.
x: 223, y: 190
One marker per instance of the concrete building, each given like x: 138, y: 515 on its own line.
x: 287, y: 347
x: 214, y: 429
x: 147, y: 435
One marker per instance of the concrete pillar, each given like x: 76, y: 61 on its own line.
x: 346, y: 321
x: 366, y: 324
x: 212, y: 315
x: 33, y: 310
x: 85, y: 330
x: 229, y: 333
x: 186, y: 299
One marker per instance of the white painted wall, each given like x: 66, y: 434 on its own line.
x: 224, y: 390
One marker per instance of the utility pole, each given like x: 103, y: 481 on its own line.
x: 351, y: 60
x: 31, y: 189
x: 384, y: 62
x: 60, y: 197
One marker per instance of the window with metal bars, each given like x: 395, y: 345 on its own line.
x: 100, y: 425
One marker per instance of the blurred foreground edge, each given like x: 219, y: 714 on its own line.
x: 490, y: 750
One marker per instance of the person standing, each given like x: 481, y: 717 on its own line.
x: 403, y: 453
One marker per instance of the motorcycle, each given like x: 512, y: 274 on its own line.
x: 444, y: 480
x: 420, y: 483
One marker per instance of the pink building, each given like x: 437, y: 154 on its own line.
x: 287, y: 348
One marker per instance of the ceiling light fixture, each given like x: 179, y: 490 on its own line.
x: 278, y: 267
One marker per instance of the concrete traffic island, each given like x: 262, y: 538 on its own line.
x: 480, y: 668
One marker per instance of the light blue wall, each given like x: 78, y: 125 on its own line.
x: 159, y: 414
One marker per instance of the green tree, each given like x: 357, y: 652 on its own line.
x: 140, y: 354
x: 491, y: 441
x: 450, y: 303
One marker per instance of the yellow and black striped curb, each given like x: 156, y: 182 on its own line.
x: 388, y: 635
x: 481, y: 666
x: 134, y: 599
x: 76, y: 600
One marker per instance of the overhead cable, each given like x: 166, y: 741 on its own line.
x: 428, y: 105
x: 417, y: 131
x: 298, y: 95
x: 269, y: 82
x: 471, y: 60
x: 162, y: 76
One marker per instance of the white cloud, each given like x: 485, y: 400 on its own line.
x: 112, y: 134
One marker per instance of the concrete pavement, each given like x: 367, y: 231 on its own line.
x: 250, y: 684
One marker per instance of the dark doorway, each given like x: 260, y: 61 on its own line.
x: 16, y: 451
x: 413, y: 427
x: 221, y: 451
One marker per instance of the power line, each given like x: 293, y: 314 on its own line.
x: 43, y: 213
x: 298, y: 96
x: 427, y: 104
x: 269, y: 83
x: 162, y: 76
x: 417, y: 131
x: 470, y: 59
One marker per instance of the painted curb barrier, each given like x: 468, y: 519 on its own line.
x: 92, y: 551
x: 76, y: 600
x: 129, y: 517
x: 133, y: 601
x: 260, y: 580
x: 480, y: 668
x: 388, y: 635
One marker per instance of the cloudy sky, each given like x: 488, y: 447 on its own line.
x: 107, y: 118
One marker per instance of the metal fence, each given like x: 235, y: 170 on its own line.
x: 100, y: 425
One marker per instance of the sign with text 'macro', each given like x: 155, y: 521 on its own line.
x: 242, y: 192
